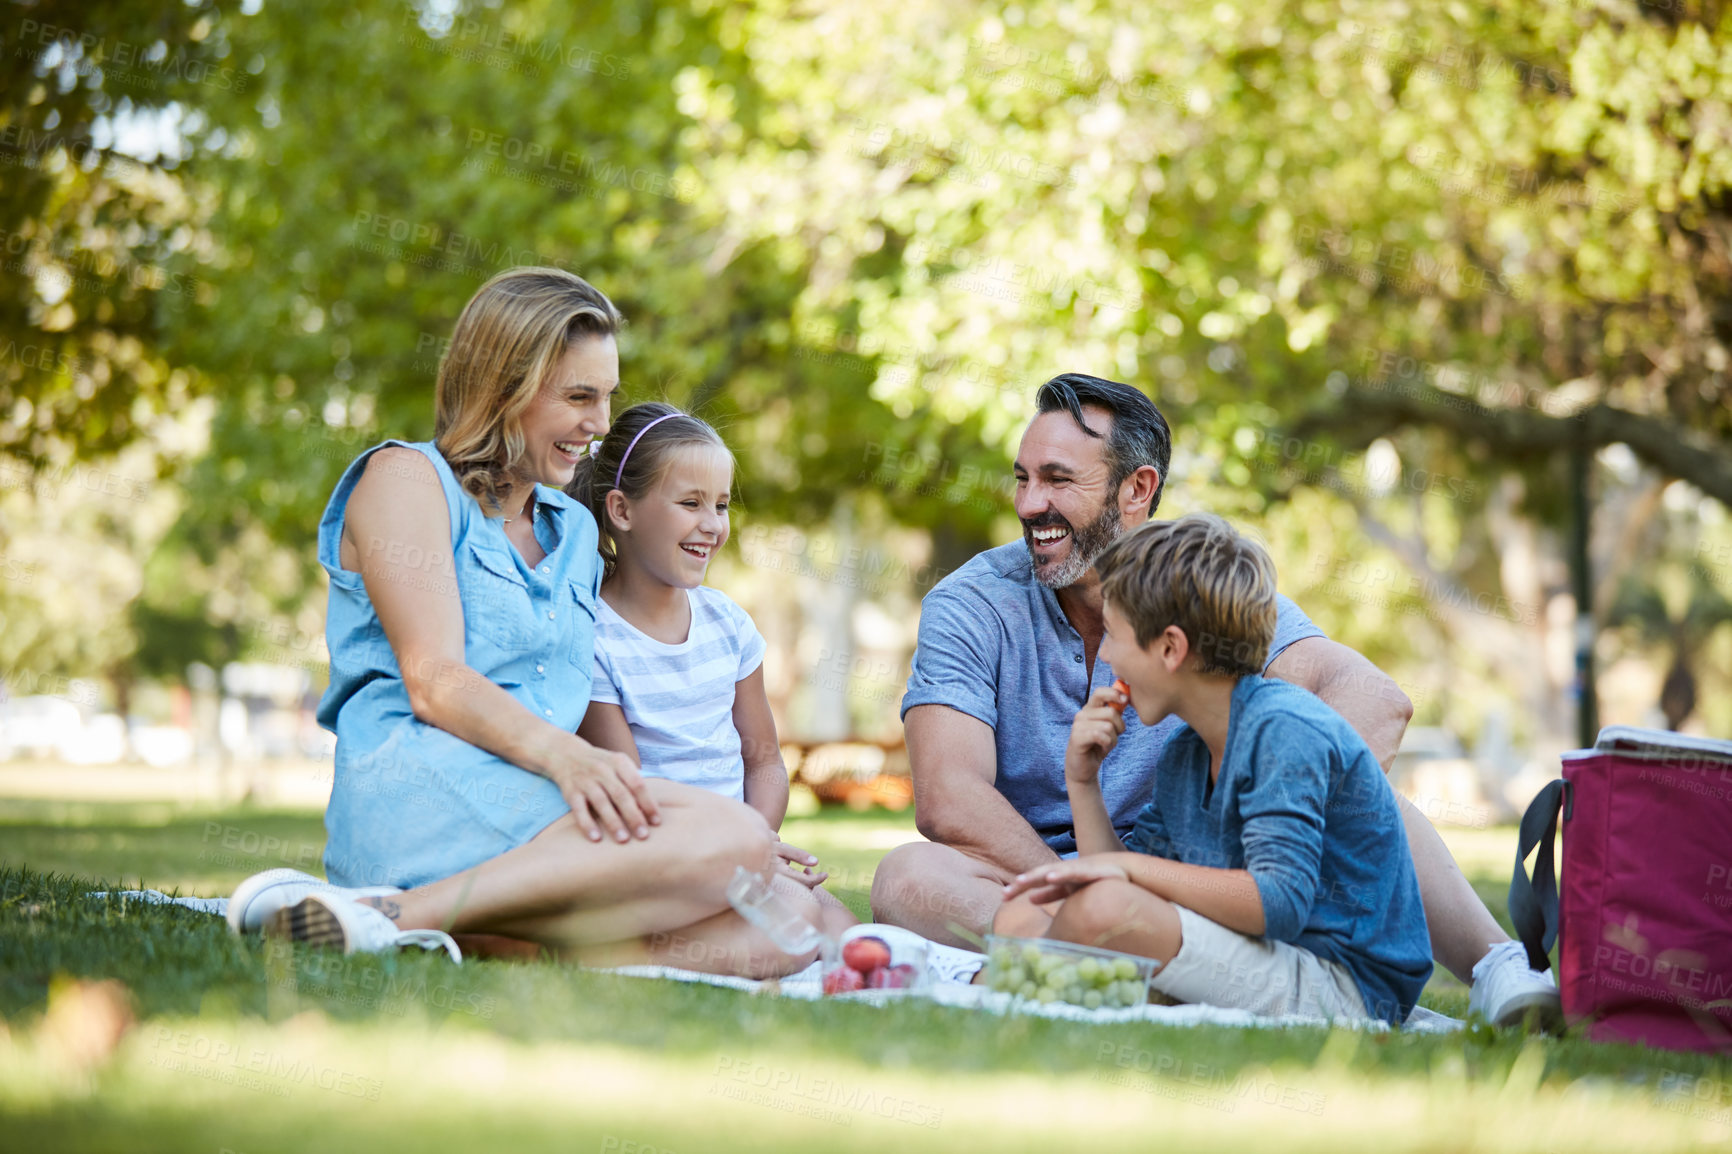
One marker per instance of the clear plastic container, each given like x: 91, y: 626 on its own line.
x: 781, y: 921
x: 897, y: 960
x: 1041, y: 970
x: 891, y: 959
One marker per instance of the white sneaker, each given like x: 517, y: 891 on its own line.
x: 954, y: 964
x: 1506, y: 989
x: 338, y: 920
x: 263, y: 894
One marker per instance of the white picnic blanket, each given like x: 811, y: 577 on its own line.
x: 808, y: 984
x: 217, y: 906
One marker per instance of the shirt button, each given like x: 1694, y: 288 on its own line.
x: 1079, y: 659
x: 549, y: 712
x: 541, y: 669
x: 547, y: 568
x: 550, y: 618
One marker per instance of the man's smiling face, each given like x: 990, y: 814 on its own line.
x: 1068, y: 508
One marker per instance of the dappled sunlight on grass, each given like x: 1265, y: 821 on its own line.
x: 251, y: 1047
x: 251, y: 1085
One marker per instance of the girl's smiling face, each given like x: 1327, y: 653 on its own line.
x: 672, y: 531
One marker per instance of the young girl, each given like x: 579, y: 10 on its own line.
x: 679, y: 677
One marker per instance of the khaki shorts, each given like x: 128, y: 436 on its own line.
x: 1217, y: 966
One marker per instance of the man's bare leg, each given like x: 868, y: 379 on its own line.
x: 936, y: 891
x: 1021, y: 918
x: 1462, y: 929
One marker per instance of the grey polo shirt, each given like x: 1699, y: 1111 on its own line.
x: 995, y: 644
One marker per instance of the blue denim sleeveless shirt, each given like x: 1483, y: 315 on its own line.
x: 411, y: 803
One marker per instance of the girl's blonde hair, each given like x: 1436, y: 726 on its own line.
x: 632, y: 458
x: 509, y: 338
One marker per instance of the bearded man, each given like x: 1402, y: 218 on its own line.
x: 1007, y: 654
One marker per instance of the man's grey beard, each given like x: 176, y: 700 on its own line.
x: 1086, y: 544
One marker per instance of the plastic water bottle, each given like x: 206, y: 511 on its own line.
x: 782, y: 922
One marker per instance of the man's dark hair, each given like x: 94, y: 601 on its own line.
x: 1139, y: 434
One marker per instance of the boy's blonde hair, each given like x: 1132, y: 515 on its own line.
x: 1200, y: 574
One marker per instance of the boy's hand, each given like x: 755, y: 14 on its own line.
x: 794, y: 862
x: 1062, y: 879
x: 1094, y: 733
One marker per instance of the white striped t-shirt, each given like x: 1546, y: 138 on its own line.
x: 679, y: 699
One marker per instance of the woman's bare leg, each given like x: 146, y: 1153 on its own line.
x: 721, y: 944
x: 833, y: 917
x: 562, y: 890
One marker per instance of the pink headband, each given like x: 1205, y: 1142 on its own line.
x: 620, y: 475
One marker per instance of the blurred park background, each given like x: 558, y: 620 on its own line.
x: 1436, y: 297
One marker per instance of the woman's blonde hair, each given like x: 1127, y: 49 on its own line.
x: 511, y: 335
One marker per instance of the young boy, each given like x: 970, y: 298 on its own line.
x: 1269, y: 871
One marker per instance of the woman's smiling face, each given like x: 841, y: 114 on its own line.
x: 673, y: 530
x: 570, y: 411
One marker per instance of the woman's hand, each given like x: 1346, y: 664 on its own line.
x: 796, y: 863
x: 1062, y: 879
x: 603, y: 788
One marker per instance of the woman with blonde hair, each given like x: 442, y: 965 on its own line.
x: 462, y: 631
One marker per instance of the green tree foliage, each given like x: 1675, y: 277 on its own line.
x: 96, y: 231
x: 1465, y: 238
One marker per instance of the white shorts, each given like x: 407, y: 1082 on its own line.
x: 1217, y: 966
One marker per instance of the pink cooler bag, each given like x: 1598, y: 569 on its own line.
x: 1645, y: 916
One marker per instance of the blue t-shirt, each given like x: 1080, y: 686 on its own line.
x: 995, y: 644
x: 1303, y: 805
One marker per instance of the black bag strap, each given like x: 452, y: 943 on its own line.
x: 1533, y: 902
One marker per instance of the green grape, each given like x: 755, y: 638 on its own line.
x: 1088, y: 970
x: 1110, y: 995
x: 1016, y: 976
x: 1032, y: 956
x: 1125, y: 968
x: 1065, y: 975
x: 1027, y: 990
x: 1073, y: 994
x: 1045, y: 994
x: 1003, y: 957
x: 1092, y: 999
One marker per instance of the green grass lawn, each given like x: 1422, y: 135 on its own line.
x: 243, y: 1046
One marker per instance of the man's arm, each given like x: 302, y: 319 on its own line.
x: 954, y: 761
x: 1363, y: 694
